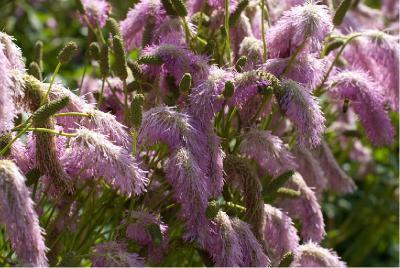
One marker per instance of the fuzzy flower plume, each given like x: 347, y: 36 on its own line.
x: 252, y: 48
x: 305, y: 69
x: 231, y: 253
x: 114, y: 254
x: 94, y: 153
x: 307, y: 24
x: 366, y: 99
x: 305, y: 208
x: 206, y: 99
x: 313, y: 255
x: 12, y: 52
x: 137, y: 18
x: 177, y: 60
x: 338, y: 180
x: 97, y: 12
x: 378, y: 54
x: 303, y: 110
x: 280, y: 233
x: 7, y: 108
x: 252, y: 250
x: 140, y: 228
x: 18, y: 215
x: 165, y: 124
x: 268, y: 150
x: 310, y: 169
x: 188, y: 182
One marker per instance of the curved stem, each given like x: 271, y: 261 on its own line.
x: 293, y: 58
x: 73, y: 114
x: 51, y: 131
x: 263, y: 31
x: 44, y: 100
x: 22, y: 132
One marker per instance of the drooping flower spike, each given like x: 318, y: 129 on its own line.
x: 313, y: 255
x: 97, y: 12
x: 115, y: 254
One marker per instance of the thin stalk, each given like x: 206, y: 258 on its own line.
x: 52, y: 131
x: 293, y: 58
x: 22, y: 132
x: 228, y: 41
x: 73, y: 114
x: 126, y: 107
x: 44, y: 100
x: 134, y: 141
x: 101, y: 93
x: 263, y: 31
x: 187, y: 31
x: 261, y: 107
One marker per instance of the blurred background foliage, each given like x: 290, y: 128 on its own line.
x: 363, y: 227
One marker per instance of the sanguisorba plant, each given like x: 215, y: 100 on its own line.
x: 211, y: 141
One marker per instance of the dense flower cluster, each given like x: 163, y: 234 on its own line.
x: 211, y: 138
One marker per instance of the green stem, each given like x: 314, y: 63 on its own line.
x: 126, y: 107
x: 263, y: 31
x: 73, y: 114
x: 51, y: 131
x: 134, y: 136
x: 264, y: 102
x: 22, y: 132
x: 44, y: 100
x: 228, y: 41
x: 187, y: 31
x: 293, y: 58
x: 101, y: 93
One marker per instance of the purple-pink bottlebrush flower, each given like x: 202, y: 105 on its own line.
x: 268, y: 151
x: 238, y: 32
x: 305, y: 69
x: 94, y: 155
x: 252, y: 48
x: 306, y: 25
x: 97, y: 12
x: 280, y: 234
x: 313, y: 255
x: 19, y: 217
x: 190, y: 188
x: 165, y: 124
x: 311, y: 170
x: 220, y: 4
x: 366, y: 98
x: 177, y: 60
x: 305, y: 208
x: 338, y: 180
x: 20, y: 156
x: 7, y: 107
x: 391, y: 8
x: 252, y: 250
x: 230, y: 255
x: 12, y: 52
x: 206, y: 99
x: 138, y: 228
x: 303, y: 110
x: 115, y: 254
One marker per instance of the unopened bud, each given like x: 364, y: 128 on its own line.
x: 135, y: 69
x: 67, y: 52
x: 186, y: 82
x: 136, y: 110
x: 104, y: 61
x: 34, y: 70
x: 39, y: 53
x: 241, y: 62
x: 151, y: 60
x: 169, y: 8
x: 229, y: 89
x: 49, y: 109
x: 120, y: 67
x: 113, y: 27
x: 180, y: 8
x: 94, y: 51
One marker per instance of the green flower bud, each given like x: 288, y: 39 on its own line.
x: 150, y: 60
x: 186, y: 82
x: 288, y: 193
x: 94, y: 51
x: 39, y: 53
x: 169, y: 8
x: 120, y: 67
x: 241, y: 62
x: 229, y: 89
x: 148, y: 31
x: 135, y: 69
x: 34, y: 92
x: 212, y: 210
x: 113, y: 27
x: 133, y: 86
x: 34, y: 70
x: 104, y: 61
x: 136, y: 110
x: 49, y: 109
x: 67, y: 52
x: 180, y: 8
x: 5, y: 139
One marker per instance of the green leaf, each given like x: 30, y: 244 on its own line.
x: 155, y: 233
x: 341, y: 12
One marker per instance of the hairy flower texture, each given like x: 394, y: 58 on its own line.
x: 177, y: 60
x: 305, y: 208
x: 206, y: 99
x: 97, y: 12
x: 220, y: 4
x: 107, y: 124
x: 12, y: 52
x: 94, y: 154
x: 307, y: 24
x: 367, y: 101
x: 231, y: 253
x: 20, y: 156
x: 305, y: 69
x: 7, y: 107
x: 238, y: 32
x: 190, y: 189
x: 240, y: 172
x: 115, y: 254
x: 338, y: 180
x: 303, y: 110
x: 252, y: 48
x: 311, y: 170
x: 19, y: 217
x: 252, y: 250
x: 378, y: 54
x: 280, y: 234
x: 132, y: 26
x: 138, y: 229
x: 165, y: 124
x: 313, y: 255
x: 268, y: 151
x: 391, y: 8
